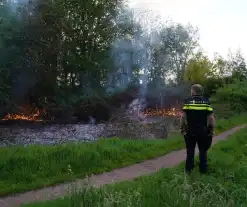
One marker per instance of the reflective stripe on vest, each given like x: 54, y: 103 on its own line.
x: 202, y: 107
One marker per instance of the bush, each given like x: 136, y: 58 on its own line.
x: 211, y: 85
x: 233, y: 96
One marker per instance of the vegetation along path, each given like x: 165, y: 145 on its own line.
x: 126, y: 173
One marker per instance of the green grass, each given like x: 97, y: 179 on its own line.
x: 27, y: 168
x: 225, y: 124
x: 225, y: 185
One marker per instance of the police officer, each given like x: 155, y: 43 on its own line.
x: 197, y: 126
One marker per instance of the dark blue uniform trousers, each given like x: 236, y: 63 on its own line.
x: 204, y: 143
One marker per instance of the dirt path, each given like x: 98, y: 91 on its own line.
x: 126, y: 173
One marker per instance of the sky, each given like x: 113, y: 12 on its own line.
x: 222, y: 23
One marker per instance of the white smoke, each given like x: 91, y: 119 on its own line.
x: 134, y: 50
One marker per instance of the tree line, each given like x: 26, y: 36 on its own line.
x: 67, y: 53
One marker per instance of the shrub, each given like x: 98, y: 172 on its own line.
x: 233, y: 95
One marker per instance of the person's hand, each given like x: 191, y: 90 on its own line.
x: 182, y: 131
x: 211, y: 133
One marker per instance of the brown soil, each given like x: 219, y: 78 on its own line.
x: 122, y: 174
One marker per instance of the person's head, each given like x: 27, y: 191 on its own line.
x: 196, y: 90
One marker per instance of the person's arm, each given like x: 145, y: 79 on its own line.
x: 183, y: 123
x: 211, y: 118
x: 183, y: 119
x: 211, y: 123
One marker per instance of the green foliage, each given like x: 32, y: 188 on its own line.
x: 238, y: 66
x: 55, y: 47
x: 211, y: 85
x: 171, y: 54
x: 234, y: 95
x: 217, y: 73
x: 198, y: 69
x: 61, y: 51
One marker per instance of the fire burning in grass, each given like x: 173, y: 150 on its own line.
x: 36, y: 116
x: 162, y: 112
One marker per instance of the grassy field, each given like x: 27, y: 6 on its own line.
x: 27, y: 168
x: 225, y: 184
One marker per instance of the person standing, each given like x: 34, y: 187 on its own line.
x: 197, y: 126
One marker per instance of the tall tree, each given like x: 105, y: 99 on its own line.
x: 237, y: 64
x: 177, y: 44
x: 199, y: 68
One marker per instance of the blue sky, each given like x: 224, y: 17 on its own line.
x: 222, y: 23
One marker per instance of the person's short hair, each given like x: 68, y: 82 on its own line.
x: 198, y: 89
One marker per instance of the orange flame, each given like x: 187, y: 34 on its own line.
x: 162, y: 112
x: 32, y: 117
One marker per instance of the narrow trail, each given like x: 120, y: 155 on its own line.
x: 127, y: 173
